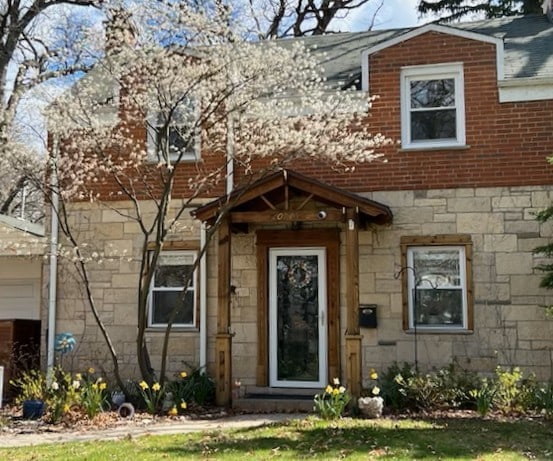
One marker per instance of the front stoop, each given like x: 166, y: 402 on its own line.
x: 274, y: 399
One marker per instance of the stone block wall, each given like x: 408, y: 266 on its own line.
x: 510, y: 327
x: 114, y: 242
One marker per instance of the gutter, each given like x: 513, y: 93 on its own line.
x: 52, y: 285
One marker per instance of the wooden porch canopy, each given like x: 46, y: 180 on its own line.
x: 287, y: 197
x: 268, y: 200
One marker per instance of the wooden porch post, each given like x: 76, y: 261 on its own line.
x: 353, y: 338
x: 223, y: 343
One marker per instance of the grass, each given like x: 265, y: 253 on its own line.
x: 352, y: 439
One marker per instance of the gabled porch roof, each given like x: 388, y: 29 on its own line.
x: 268, y: 200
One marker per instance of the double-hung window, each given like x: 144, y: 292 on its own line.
x: 173, y: 135
x: 173, y: 289
x: 432, y: 106
x: 438, y: 283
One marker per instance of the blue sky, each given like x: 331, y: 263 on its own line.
x: 394, y: 14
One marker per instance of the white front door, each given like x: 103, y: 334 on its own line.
x: 297, y: 317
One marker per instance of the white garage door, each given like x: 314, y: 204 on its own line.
x: 19, y: 299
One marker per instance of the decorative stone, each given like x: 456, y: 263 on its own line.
x: 371, y: 407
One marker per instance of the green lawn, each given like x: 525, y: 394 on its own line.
x: 356, y: 439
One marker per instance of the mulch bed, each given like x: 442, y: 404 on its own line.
x: 12, y: 422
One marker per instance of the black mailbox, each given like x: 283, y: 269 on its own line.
x: 367, y: 315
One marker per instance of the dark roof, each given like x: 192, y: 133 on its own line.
x: 528, y: 45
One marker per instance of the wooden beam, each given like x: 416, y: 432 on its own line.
x: 353, y: 364
x: 262, y: 378
x: 283, y: 216
x: 352, y: 271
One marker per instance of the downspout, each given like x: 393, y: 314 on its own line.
x: 203, y: 301
x: 203, y: 242
x: 52, y: 285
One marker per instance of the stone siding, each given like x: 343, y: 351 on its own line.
x: 114, y: 282
x: 510, y: 327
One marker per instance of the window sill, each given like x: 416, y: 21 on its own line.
x: 438, y: 331
x: 161, y: 329
x: 152, y: 161
x: 434, y: 148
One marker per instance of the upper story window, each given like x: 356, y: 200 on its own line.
x: 438, y: 283
x: 432, y: 106
x: 168, y: 290
x: 175, y: 136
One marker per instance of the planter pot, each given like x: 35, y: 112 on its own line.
x: 33, y: 409
x: 117, y: 398
x: 370, y: 407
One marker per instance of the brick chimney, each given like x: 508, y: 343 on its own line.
x: 120, y: 31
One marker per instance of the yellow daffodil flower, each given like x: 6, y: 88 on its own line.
x: 103, y: 386
x: 173, y: 411
x: 91, y: 370
x: 374, y: 374
x: 376, y: 390
x: 328, y: 389
x: 183, y: 374
x: 143, y: 385
x: 156, y: 387
x: 183, y: 405
x: 66, y: 408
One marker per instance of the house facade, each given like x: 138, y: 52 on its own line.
x: 426, y: 257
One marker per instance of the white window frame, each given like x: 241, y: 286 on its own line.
x: 191, y: 155
x: 412, y: 281
x: 432, y: 72
x: 191, y: 288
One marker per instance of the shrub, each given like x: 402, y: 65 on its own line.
x: 513, y: 392
x: 195, y: 386
x: 31, y: 385
x: 390, y: 389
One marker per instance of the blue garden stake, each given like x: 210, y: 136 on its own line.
x: 64, y: 343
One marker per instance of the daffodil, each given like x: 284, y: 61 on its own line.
x: 173, y: 411
x: 103, y: 386
x: 183, y: 405
x: 95, y: 386
x: 90, y: 370
x: 156, y: 387
x: 336, y: 381
x: 55, y: 386
x: 328, y: 389
x: 66, y: 408
x: 374, y: 374
x: 183, y: 374
x: 76, y: 384
x: 78, y: 376
x: 143, y: 385
x: 342, y: 389
x: 376, y: 390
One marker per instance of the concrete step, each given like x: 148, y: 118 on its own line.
x: 271, y: 399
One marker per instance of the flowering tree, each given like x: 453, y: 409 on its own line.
x: 30, y: 54
x: 175, y: 78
